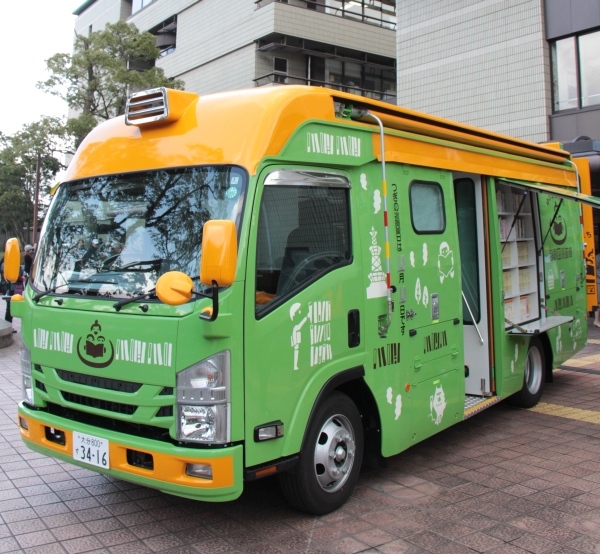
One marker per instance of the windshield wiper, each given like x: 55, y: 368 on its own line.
x: 39, y: 295
x: 118, y: 305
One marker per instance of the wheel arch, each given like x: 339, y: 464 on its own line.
x: 351, y: 383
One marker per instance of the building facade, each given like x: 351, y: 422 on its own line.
x: 527, y: 68
x: 215, y: 46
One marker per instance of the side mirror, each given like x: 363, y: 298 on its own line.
x: 219, y: 253
x: 12, y: 260
x: 174, y: 288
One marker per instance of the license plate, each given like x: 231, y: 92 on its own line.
x: 90, y: 450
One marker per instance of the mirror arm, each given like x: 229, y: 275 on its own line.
x: 214, y: 295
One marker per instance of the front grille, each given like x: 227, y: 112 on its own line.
x: 117, y: 407
x: 98, y: 382
x: 165, y: 411
x: 102, y: 422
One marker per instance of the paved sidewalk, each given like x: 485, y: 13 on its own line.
x: 504, y: 481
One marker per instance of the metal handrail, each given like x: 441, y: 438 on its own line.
x: 335, y: 11
x: 374, y: 94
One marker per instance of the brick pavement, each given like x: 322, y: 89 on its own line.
x: 505, y: 481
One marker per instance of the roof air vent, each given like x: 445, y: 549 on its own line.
x: 147, y: 106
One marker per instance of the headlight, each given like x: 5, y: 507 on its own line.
x: 26, y: 380
x: 203, y: 401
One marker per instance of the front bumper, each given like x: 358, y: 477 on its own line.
x: 168, y: 473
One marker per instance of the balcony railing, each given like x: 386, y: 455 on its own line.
x: 276, y: 78
x: 381, y: 13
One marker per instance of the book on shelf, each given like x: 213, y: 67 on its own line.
x: 504, y: 227
x: 500, y: 200
x: 507, y: 278
x: 506, y: 257
x: 524, y: 307
x: 508, y: 309
x: 522, y: 252
x: 524, y: 279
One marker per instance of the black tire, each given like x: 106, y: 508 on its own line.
x: 533, y: 380
x: 330, y: 462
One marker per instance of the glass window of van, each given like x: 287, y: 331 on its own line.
x: 303, y: 233
x: 427, y: 207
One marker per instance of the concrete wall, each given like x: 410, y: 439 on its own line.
x: 480, y: 62
x: 98, y: 15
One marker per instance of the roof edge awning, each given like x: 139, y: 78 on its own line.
x: 567, y: 194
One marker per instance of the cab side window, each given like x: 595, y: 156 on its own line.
x: 303, y: 233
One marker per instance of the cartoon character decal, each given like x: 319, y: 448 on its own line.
x: 437, y: 405
x: 95, y: 348
x: 445, y: 262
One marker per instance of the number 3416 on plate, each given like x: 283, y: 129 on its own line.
x: 90, y: 450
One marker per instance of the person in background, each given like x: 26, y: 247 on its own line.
x: 28, y: 260
x: 93, y: 253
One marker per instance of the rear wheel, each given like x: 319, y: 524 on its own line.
x: 533, y: 380
x: 329, y: 465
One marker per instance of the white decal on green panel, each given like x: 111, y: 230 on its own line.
x: 144, y: 352
x: 58, y: 341
x: 333, y: 145
x: 425, y: 254
x: 437, y: 405
x: 418, y: 292
x: 378, y: 286
x: 550, y: 279
x: 576, y: 332
x: 376, y: 201
x: 319, y: 318
x: 559, y: 340
x: 398, y: 406
x: 363, y: 181
x: 513, y: 362
x: 445, y: 262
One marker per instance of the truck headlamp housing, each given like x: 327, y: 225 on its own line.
x: 26, y: 378
x: 203, y: 401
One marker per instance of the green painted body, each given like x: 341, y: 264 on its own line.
x: 281, y: 362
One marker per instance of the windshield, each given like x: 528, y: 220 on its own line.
x: 114, y: 236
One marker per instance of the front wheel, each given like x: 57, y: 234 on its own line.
x: 328, y: 468
x: 533, y: 380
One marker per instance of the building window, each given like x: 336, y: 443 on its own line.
x: 137, y: 5
x: 576, y: 72
x: 280, y: 68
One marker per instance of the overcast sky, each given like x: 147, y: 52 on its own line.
x: 33, y: 31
